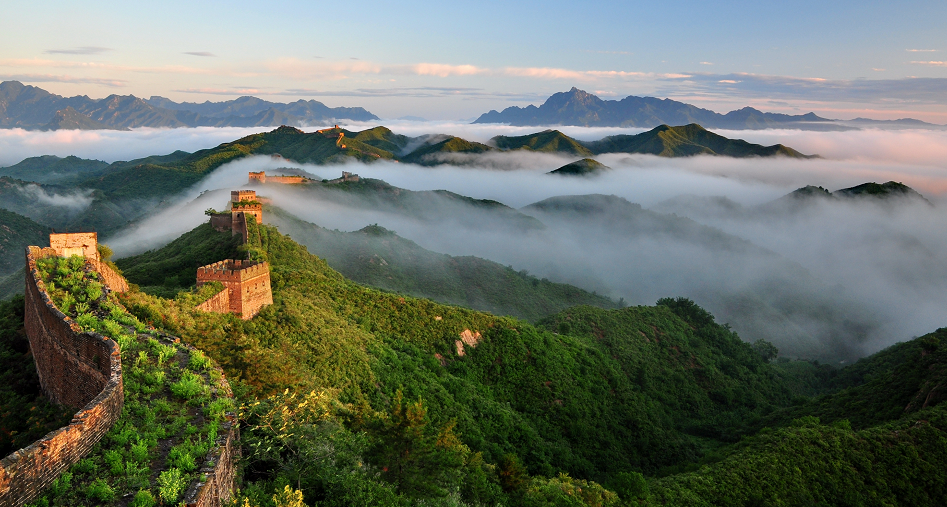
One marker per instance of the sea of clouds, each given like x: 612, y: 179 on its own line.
x: 889, y: 259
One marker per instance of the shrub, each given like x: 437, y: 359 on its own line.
x: 139, y: 451
x: 61, y: 485
x: 85, y: 466
x: 189, y: 386
x: 171, y: 483
x: 87, y: 321
x: 114, y: 460
x: 180, y: 457
x: 143, y: 498
x: 100, y: 491
x: 198, y: 361
x: 217, y: 408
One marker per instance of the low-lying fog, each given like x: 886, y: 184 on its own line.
x: 854, y: 273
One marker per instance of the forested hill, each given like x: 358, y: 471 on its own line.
x: 498, y: 410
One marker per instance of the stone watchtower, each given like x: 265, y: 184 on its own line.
x: 83, y: 244
x: 244, y: 201
x: 243, y: 204
x: 246, y: 287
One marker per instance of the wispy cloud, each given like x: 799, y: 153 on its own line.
x: 199, y: 53
x: 706, y: 63
x: 608, y: 52
x: 921, y: 50
x: 932, y: 63
x: 415, y: 92
x: 886, y: 91
x: 52, y: 78
x: 58, y: 64
x: 84, y: 50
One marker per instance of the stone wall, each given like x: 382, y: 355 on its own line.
x: 218, y: 470
x: 77, y: 369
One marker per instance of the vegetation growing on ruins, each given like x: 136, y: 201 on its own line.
x: 175, y: 402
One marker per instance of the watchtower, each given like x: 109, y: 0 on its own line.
x: 247, y: 284
x: 242, y: 195
x: 84, y: 244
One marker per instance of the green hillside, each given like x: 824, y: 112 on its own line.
x: 380, y: 258
x: 175, y: 265
x: 438, y: 152
x: 16, y: 233
x: 554, y: 400
x: 53, y: 169
x: 547, y: 141
x: 686, y: 141
x: 425, y: 403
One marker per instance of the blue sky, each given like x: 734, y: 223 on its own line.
x: 444, y: 60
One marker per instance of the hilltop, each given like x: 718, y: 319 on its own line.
x: 584, y: 167
x: 32, y: 108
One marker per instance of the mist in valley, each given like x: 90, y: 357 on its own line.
x: 833, y: 279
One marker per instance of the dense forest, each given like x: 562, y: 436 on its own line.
x: 353, y: 395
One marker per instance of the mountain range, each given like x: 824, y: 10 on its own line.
x: 580, y: 108
x: 32, y: 108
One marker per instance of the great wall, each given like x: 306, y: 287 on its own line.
x: 83, y: 370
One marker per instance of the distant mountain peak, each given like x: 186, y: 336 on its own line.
x: 578, y: 107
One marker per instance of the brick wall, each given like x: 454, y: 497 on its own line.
x: 242, y: 195
x: 221, y: 222
x: 77, y: 369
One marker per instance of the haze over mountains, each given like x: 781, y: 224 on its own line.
x: 30, y: 107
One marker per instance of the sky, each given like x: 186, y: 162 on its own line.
x: 454, y: 61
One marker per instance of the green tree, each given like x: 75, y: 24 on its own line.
x: 419, y: 459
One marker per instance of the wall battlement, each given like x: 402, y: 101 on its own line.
x: 242, y: 195
x: 262, y: 178
x: 255, y: 209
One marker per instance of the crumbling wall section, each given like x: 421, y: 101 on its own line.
x: 115, y: 281
x: 77, y: 369
x: 84, y: 244
x: 218, y: 303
